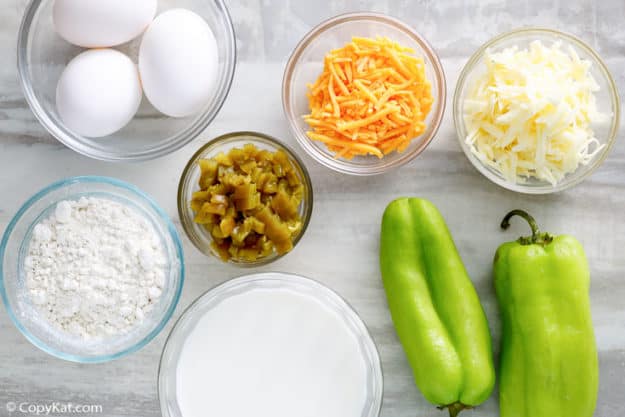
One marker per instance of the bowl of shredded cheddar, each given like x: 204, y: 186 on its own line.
x: 363, y: 93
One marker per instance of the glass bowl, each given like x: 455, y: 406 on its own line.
x: 198, y: 235
x: 42, y: 55
x: 14, y: 248
x: 330, y: 300
x: 607, y: 102
x: 306, y: 63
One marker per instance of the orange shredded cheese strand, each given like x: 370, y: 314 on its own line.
x: 372, y: 98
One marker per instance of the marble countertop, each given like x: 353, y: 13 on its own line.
x: 267, y: 30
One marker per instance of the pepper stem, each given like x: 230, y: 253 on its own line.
x: 455, y: 408
x: 536, y: 238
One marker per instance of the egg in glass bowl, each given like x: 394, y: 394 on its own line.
x: 46, y: 46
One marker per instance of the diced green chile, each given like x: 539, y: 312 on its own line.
x: 249, y: 202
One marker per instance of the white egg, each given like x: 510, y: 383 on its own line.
x: 98, y: 93
x: 178, y: 62
x: 102, y: 23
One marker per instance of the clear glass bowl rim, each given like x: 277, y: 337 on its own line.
x: 305, y: 142
x: 474, y: 61
x: 364, y: 333
x: 233, y: 137
x: 161, y: 214
x: 68, y: 138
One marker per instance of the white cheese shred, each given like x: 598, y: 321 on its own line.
x: 529, y: 115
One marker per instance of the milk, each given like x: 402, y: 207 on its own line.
x: 271, y: 353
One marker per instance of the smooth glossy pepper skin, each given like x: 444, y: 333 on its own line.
x: 548, y: 353
x: 437, y: 314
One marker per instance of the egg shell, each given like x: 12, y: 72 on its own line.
x: 178, y: 61
x: 102, y: 23
x: 98, y: 93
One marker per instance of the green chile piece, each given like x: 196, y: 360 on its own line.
x: 436, y: 311
x: 548, y: 353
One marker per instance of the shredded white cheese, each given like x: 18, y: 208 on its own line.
x: 529, y: 114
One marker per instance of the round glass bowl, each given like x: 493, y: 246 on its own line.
x: 198, y: 235
x: 306, y: 64
x: 300, y: 286
x: 607, y: 103
x: 14, y: 249
x: 42, y: 56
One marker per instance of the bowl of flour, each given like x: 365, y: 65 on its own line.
x: 91, y: 269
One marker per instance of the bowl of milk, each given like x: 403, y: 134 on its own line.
x: 270, y: 345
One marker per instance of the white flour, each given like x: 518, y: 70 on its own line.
x: 95, y: 267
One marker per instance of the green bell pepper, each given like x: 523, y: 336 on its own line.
x: 548, y: 353
x: 437, y: 314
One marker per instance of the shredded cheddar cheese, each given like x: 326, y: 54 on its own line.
x: 372, y: 98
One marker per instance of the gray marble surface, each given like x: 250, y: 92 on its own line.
x: 347, y: 209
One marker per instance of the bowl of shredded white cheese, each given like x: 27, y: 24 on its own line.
x: 91, y: 269
x: 536, y: 110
